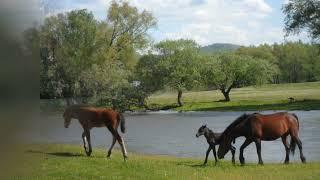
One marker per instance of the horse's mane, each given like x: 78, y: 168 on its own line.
x: 210, y: 131
x: 239, y: 120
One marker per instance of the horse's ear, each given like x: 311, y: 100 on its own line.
x: 205, y: 125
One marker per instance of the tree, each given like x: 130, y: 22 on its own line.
x: 263, y: 52
x: 179, y: 62
x: 227, y: 71
x: 127, y: 29
x: 67, y: 44
x: 293, y: 59
x: 149, y: 75
x: 81, y: 57
x: 302, y: 14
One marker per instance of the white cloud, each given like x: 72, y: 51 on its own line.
x: 208, y: 22
x: 242, y: 22
x: 258, y: 5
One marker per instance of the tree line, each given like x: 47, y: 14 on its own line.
x: 97, y: 61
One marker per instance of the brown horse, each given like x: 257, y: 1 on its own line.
x: 257, y: 127
x: 90, y: 117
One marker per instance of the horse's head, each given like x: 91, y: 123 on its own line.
x: 201, y: 130
x: 224, y: 146
x: 67, y: 118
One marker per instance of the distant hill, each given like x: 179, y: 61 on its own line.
x: 218, y: 47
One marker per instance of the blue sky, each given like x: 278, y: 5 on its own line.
x: 244, y: 22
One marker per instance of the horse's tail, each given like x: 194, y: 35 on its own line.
x: 292, y: 146
x: 293, y: 142
x: 296, y: 119
x: 122, y: 122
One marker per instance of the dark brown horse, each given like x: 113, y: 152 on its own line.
x: 90, y: 117
x: 257, y: 127
x: 212, y: 140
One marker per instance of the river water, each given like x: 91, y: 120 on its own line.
x: 173, y: 133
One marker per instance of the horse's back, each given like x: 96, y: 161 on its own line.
x: 96, y: 116
x: 272, y: 126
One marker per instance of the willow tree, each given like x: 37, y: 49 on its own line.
x: 74, y: 46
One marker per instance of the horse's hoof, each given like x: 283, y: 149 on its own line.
x: 125, y: 158
x: 286, y: 162
x: 303, y: 160
x: 242, y: 161
x: 88, y: 153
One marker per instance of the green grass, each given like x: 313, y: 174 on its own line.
x: 45, y: 161
x: 266, y: 97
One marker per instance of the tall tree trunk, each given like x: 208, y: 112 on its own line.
x: 226, y: 92
x: 226, y: 95
x: 179, y: 98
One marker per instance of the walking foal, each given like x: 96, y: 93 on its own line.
x: 212, y: 139
x: 90, y: 117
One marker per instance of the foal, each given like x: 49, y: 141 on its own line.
x: 213, y: 140
x: 90, y: 117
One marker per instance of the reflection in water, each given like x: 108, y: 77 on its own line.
x: 174, y: 133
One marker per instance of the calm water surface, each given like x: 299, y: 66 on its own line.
x: 173, y: 133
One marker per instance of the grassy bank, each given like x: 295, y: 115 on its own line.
x: 69, y: 161
x: 266, y: 97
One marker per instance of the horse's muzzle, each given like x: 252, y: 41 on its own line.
x: 220, y: 156
x: 197, y: 135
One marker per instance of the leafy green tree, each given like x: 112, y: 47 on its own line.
x: 227, y: 71
x: 149, y: 75
x: 127, y: 30
x: 311, y: 65
x: 179, y: 61
x: 81, y: 57
x: 67, y: 43
x: 292, y: 58
x: 302, y: 14
x: 263, y: 52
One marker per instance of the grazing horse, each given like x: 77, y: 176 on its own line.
x: 212, y: 139
x: 90, y: 117
x: 257, y: 127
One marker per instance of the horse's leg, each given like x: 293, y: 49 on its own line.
x: 215, y: 155
x: 87, y: 132
x: 244, y: 145
x: 84, y: 141
x: 286, y: 146
x: 299, y: 143
x: 120, y: 141
x: 258, y: 146
x: 233, y: 151
x: 111, y: 147
x: 207, y: 154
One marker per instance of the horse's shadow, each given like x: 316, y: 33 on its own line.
x: 61, y: 154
